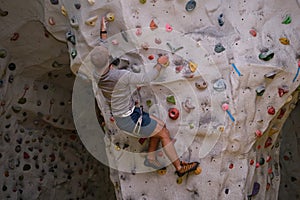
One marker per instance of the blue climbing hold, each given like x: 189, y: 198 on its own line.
x: 190, y: 6
x: 219, y: 48
x: 54, y: 2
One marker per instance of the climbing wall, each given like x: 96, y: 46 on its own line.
x: 233, y: 77
x: 41, y: 155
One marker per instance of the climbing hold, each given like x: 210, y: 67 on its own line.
x: 281, y: 113
x: 54, y: 2
x: 26, y: 155
x: 190, y: 5
x: 149, y: 103
x: 230, y: 165
x: 26, y: 167
x: 110, y: 17
x: 145, y: 46
x: 91, y: 21
x: 22, y: 100
x: 270, y: 75
x: 260, y: 90
x: 298, y: 71
x: 151, y: 57
x: 178, y: 68
x: 153, y: 25
x: 115, y: 42
x: 283, y: 90
x: 268, y: 142
x: 16, y: 108
x: 173, y: 113
x: 219, y: 48
x: 287, y: 19
x: 253, y: 32
x: 11, y: 66
x: 15, y: 37
x: 71, y: 37
x: 73, y: 53
x: 268, y: 159
x: 187, y: 105
x: 171, y: 99
x: 143, y: 1
x: 179, y: 180
x: 138, y: 32
x: 266, y: 55
x: 225, y: 107
x: 169, y: 28
x: 219, y: 85
x: 157, y: 41
x: 136, y: 68
x: 261, y: 161
x: 77, y: 5
x: 91, y: 2
x: 255, y: 190
x: 193, y: 66
x: 124, y: 35
x: 11, y: 78
x: 74, y: 22
x: 3, y: 53
x: 201, y: 84
x: 221, y: 19
x: 251, y: 162
x: 51, y: 21
x: 64, y: 11
x: 284, y: 41
x: 258, y: 133
x: 3, y: 13
x: 271, y: 110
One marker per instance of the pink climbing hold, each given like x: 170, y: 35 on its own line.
x: 169, y: 28
x: 258, y: 133
x: 257, y: 165
x: 225, y: 106
x: 138, y: 31
x: 268, y: 158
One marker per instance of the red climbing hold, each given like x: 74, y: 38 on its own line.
x: 283, y: 90
x: 142, y: 140
x: 268, y: 142
x: 253, y: 32
x: 151, y: 57
x: 271, y: 110
x: 251, y: 162
x: 230, y: 166
x: 173, y: 113
x: 15, y: 37
x: 258, y: 133
x: 281, y: 113
x: 26, y: 155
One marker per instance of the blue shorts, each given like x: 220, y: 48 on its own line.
x: 128, y: 123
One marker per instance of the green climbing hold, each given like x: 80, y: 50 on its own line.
x: 266, y: 55
x: 171, y: 99
x: 149, y: 103
x: 261, y: 161
x: 143, y: 1
x: 3, y: 53
x: 22, y: 100
x: 287, y: 19
x: 219, y: 48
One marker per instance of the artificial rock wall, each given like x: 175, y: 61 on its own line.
x: 246, y: 53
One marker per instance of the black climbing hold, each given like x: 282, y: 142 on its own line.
x: 260, y: 90
x: 11, y: 79
x: 4, y: 188
x: 3, y: 13
x: 293, y: 179
x: 226, y: 191
x: 11, y: 66
x: 16, y: 109
x: 38, y: 103
x: 26, y: 167
x: 45, y: 87
x: 221, y: 19
x: 77, y: 5
x: 54, y: 2
x: 1, y: 83
x: 18, y: 148
x: 73, y: 53
x: 190, y: 6
x: 71, y: 37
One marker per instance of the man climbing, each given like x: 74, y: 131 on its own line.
x: 115, y: 85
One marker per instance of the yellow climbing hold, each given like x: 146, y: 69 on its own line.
x: 221, y: 129
x: 273, y: 130
x: 91, y: 2
x: 110, y: 17
x: 289, y: 99
x: 117, y: 148
x: 143, y: 1
x: 91, y: 21
x: 193, y: 66
x: 284, y: 41
x: 64, y: 11
x: 198, y: 171
x: 179, y: 180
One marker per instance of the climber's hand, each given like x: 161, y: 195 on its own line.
x: 164, y: 61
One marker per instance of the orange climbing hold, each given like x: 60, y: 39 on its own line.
x: 153, y: 25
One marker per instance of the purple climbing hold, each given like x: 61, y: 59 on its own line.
x: 54, y: 2
x: 255, y: 189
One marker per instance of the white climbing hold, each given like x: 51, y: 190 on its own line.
x: 91, y: 2
x: 91, y: 21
